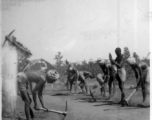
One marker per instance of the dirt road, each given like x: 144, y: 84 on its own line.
x: 82, y: 107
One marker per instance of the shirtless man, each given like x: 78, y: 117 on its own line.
x: 35, y: 80
x: 42, y: 66
x: 83, y: 75
x: 108, y: 76
x: 121, y: 72
x: 73, y: 74
x: 144, y: 82
x: 142, y: 73
x: 136, y: 68
x: 101, y: 81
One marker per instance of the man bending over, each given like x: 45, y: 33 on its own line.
x: 35, y: 80
x: 144, y: 82
x: 83, y: 75
x: 142, y: 74
x: 72, y: 76
x: 108, y: 76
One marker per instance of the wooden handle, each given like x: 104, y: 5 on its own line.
x: 131, y: 95
x: 54, y: 111
x: 97, y: 89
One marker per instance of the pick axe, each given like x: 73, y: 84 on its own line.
x: 125, y: 102
x: 7, y: 38
x: 92, y: 93
x: 64, y: 113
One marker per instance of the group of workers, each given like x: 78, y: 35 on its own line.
x: 112, y: 70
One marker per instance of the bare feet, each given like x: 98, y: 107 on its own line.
x: 143, y: 105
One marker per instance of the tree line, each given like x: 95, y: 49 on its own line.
x: 94, y: 67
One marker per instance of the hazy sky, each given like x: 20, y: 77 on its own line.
x: 80, y: 29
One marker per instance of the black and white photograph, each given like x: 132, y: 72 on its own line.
x: 75, y: 59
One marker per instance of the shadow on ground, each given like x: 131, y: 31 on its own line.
x: 60, y: 94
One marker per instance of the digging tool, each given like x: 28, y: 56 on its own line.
x: 125, y: 102
x: 64, y: 113
x: 92, y: 93
x: 7, y: 38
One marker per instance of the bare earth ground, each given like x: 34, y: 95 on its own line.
x: 82, y: 107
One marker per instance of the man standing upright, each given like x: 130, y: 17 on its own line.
x: 121, y: 72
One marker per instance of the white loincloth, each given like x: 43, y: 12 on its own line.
x: 122, y: 74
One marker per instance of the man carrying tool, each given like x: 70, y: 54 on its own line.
x: 73, y: 75
x: 136, y: 68
x: 101, y: 81
x: 144, y: 82
x: 108, y: 76
x: 121, y: 72
x: 29, y: 79
x: 83, y: 75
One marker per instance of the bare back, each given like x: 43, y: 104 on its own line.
x: 36, y: 76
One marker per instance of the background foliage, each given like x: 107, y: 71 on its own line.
x: 94, y: 67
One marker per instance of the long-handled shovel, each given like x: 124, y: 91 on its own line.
x: 92, y: 93
x: 125, y: 102
x: 64, y: 113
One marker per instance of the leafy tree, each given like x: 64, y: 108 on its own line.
x: 58, y: 59
x: 136, y: 56
x: 84, y: 62
x: 126, y: 52
x: 146, y: 59
x: 59, y: 64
